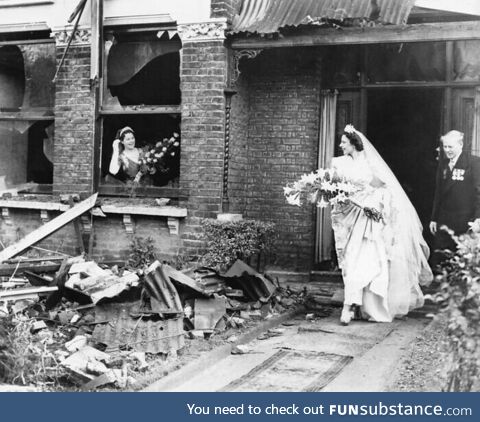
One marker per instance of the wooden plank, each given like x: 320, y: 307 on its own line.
x: 9, y: 269
x: 383, y: 34
x: 48, y: 228
x: 97, y: 37
x: 78, y: 230
x: 10, y: 294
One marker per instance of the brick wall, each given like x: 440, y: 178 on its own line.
x: 74, y: 115
x: 202, y: 82
x: 225, y: 8
x: 111, y: 241
x: 284, y: 89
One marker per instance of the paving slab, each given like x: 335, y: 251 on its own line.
x: 319, y: 355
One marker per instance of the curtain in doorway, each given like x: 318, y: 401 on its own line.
x: 476, y: 124
x: 326, y: 146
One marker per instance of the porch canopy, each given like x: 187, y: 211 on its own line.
x: 268, y: 16
x: 291, y: 23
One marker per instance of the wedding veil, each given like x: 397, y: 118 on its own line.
x: 408, y: 252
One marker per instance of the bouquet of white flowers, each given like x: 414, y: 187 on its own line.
x: 324, y: 187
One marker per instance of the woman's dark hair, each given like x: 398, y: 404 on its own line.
x: 122, y: 132
x: 354, y: 140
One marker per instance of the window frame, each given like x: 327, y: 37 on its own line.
x: 169, y: 191
x: 34, y: 114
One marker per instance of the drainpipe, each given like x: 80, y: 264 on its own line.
x: 229, y: 93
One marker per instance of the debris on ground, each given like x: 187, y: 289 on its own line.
x: 80, y: 324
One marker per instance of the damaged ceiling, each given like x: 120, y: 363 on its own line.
x: 268, y: 16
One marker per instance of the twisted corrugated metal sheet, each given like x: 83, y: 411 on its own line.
x: 268, y: 16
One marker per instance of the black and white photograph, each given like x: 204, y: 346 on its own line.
x: 240, y: 196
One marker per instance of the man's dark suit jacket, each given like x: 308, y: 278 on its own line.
x: 457, y: 194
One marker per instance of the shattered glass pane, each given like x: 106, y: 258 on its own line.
x: 40, y: 68
x: 342, y: 65
x: 406, y: 62
x: 12, y: 78
x: 143, y: 73
x: 466, y: 60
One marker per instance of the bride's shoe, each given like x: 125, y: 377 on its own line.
x: 346, y: 316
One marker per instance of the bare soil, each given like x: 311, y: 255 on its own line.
x: 423, y: 366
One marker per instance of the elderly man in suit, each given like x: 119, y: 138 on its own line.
x: 457, y: 193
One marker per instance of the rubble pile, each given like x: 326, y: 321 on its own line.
x: 88, y: 325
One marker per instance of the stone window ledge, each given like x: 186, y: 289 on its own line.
x: 172, y: 213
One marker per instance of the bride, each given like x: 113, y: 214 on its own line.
x: 383, y: 262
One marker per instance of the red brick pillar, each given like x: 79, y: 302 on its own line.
x: 74, y: 116
x: 203, y: 78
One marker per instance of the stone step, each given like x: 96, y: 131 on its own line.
x: 326, y: 277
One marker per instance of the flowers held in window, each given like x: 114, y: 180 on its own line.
x: 156, y: 158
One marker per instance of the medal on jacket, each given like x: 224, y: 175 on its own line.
x: 458, y: 174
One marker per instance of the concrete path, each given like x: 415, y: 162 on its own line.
x: 320, y: 355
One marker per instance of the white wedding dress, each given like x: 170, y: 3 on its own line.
x: 382, y: 262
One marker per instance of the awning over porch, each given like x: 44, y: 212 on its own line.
x: 268, y: 16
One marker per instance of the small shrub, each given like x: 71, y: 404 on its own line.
x: 142, y: 252
x: 459, y: 296
x: 229, y: 241
x: 24, y: 359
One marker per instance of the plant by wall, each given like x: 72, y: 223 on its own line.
x: 142, y: 252
x: 459, y: 296
x: 229, y: 241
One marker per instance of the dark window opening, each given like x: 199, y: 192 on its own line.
x: 143, y: 73
x: 347, y: 65
x: 40, y: 153
x: 406, y: 62
x: 157, y: 83
x: 27, y: 152
x: 148, y: 131
x: 12, y: 78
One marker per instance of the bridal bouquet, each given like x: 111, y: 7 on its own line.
x: 325, y: 187
x: 322, y: 187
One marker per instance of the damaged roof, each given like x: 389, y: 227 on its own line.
x: 268, y: 16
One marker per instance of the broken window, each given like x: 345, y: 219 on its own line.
x: 466, y: 60
x: 26, y: 112
x: 342, y: 64
x: 406, y: 62
x: 141, y: 91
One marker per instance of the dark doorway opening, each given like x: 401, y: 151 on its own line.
x: 405, y: 125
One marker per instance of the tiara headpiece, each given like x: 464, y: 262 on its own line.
x: 126, y: 128
x: 349, y: 129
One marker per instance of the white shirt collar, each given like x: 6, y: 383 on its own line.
x: 453, y: 161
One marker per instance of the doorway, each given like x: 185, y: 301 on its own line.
x: 405, y: 126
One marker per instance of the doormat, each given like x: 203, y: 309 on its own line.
x: 291, y: 370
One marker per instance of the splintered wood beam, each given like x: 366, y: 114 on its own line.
x: 48, y: 228
x: 443, y: 31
